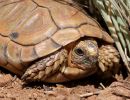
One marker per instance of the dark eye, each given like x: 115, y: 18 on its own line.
x: 79, y: 52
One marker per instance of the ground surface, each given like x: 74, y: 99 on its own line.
x: 12, y: 88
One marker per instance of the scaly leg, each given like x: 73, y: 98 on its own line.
x: 108, y: 59
x: 45, y: 67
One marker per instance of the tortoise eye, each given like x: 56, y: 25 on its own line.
x: 79, y: 51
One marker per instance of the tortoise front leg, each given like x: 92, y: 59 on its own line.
x: 108, y: 59
x: 45, y: 67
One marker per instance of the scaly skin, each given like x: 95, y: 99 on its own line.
x: 45, y: 67
x: 108, y: 61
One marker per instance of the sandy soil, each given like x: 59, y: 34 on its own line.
x: 12, y: 88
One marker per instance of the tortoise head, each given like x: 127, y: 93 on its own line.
x: 84, y: 55
x: 82, y: 58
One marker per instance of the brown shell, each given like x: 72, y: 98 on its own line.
x: 30, y: 29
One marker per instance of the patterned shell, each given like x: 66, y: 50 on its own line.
x: 31, y: 29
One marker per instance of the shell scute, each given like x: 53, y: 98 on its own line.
x: 13, y: 55
x: 12, y: 13
x: 28, y: 54
x: 92, y: 31
x: 46, y: 47
x: 66, y: 36
x: 13, y: 69
x: 36, y: 28
x: 3, y: 45
x: 68, y: 16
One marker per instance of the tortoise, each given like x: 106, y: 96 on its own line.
x: 51, y: 41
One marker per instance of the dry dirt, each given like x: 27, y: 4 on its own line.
x: 12, y: 88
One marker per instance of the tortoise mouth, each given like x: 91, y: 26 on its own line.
x: 86, y: 66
